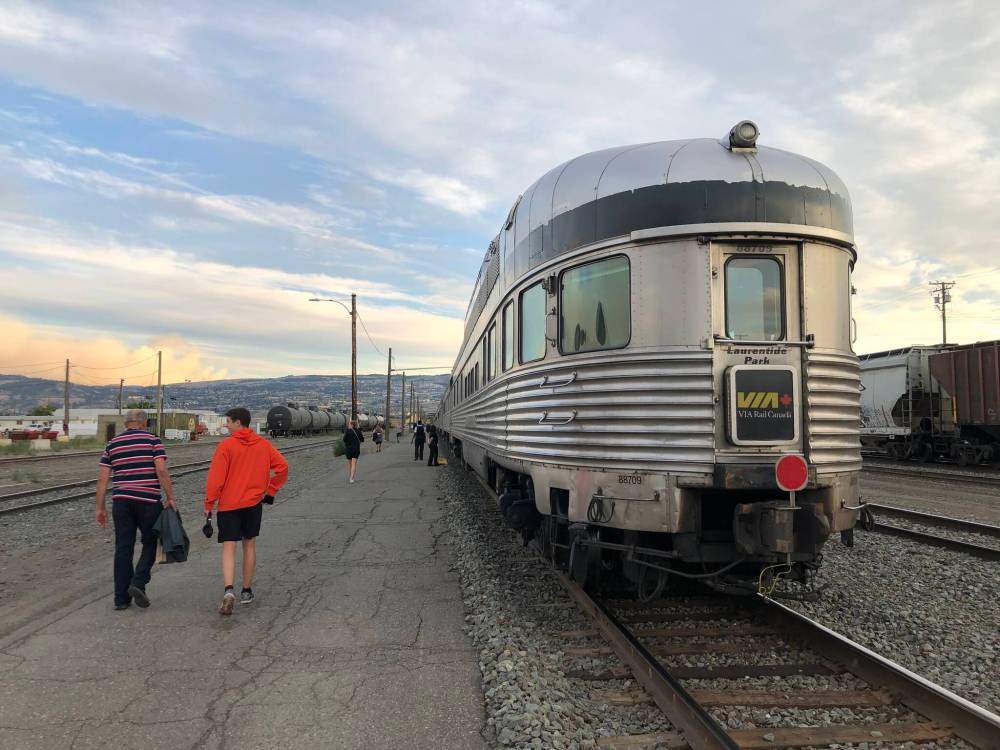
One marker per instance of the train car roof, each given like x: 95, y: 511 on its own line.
x: 616, y: 191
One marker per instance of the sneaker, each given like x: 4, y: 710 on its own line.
x: 228, y: 600
x: 138, y: 596
x: 246, y: 596
x: 122, y: 606
x: 351, y: 481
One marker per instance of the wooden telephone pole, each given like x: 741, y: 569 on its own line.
x: 66, y: 402
x: 159, y: 395
x: 388, y: 392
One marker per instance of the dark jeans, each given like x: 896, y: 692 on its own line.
x: 432, y: 460
x: 131, y: 516
x: 418, y: 449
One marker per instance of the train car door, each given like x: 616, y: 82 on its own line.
x: 757, y: 340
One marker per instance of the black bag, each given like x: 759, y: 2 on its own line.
x: 173, y: 538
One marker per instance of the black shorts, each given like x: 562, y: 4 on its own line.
x: 243, y: 523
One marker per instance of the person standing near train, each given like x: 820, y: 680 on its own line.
x: 419, y: 438
x: 432, y: 444
x: 352, y: 447
x: 377, y: 438
x: 241, y: 481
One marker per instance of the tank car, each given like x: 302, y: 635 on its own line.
x: 930, y: 402
x: 651, y: 329
x: 291, y: 419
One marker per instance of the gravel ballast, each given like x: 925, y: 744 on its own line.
x: 515, y: 618
x: 934, y: 611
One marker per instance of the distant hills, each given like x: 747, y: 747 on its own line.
x: 20, y: 394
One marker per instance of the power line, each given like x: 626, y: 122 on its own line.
x: 118, y: 367
x: 35, y: 364
x: 369, y: 336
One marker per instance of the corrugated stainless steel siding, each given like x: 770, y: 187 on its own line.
x: 833, y: 392
x: 650, y: 412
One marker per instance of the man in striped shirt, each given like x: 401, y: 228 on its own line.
x: 137, y: 462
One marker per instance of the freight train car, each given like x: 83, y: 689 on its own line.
x: 651, y: 329
x: 290, y: 419
x: 931, y: 402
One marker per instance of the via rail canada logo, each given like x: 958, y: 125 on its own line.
x: 763, y: 400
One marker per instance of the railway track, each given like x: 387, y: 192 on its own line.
x: 57, y: 455
x: 178, y: 470
x: 932, y: 472
x: 869, y: 522
x: 756, y: 640
x: 750, y: 632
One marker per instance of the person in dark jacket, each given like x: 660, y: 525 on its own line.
x: 432, y: 443
x: 419, y: 438
x: 352, y: 447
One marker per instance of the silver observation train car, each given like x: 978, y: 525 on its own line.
x: 652, y: 328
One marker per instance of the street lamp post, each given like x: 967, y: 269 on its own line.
x: 353, y: 312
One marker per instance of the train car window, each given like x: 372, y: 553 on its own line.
x: 595, y: 306
x: 508, y: 336
x: 754, y: 304
x: 532, y: 325
x: 491, y: 352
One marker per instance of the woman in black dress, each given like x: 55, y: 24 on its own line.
x: 352, y: 447
x: 433, y: 435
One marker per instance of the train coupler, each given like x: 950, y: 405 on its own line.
x: 765, y: 528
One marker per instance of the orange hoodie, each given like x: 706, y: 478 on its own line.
x: 240, y: 474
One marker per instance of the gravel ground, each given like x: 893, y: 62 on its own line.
x: 934, y: 611
x: 74, y: 520
x: 972, y: 502
x: 516, y: 619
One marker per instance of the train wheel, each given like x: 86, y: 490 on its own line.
x: 926, y: 453
x: 962, y: 457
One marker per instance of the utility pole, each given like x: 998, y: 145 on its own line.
x: 354, y: 357
x: 942, y: 296
x: 412, y: 412
x: 388, y: 392
x: 159, y: 395
x: 402, y: 403
x: 121, y: 394
x: 66, y: 402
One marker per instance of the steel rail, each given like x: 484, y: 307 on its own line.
x: 919, y: 471
x: 948, y: 522
x: 869, y: 523
x: 957, y: 545
x: 202, y: 466
x: 972, y: 723
x: 700, y: 729
x: 47, y: 457
x: 84, y: 482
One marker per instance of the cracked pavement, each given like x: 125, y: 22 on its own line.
x: 355, y: 639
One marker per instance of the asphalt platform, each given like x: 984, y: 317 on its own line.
x: 355, y: 639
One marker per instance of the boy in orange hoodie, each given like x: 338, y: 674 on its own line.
x: 240, y: 481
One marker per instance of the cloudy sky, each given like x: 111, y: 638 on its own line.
x: 184, y: 176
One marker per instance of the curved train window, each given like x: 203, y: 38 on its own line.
x: 508, y: 336
x: 594, y: 304
x: 754, y: 304
x: 532, y: 325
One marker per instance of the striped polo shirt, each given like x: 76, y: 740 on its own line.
x: 131, y: 456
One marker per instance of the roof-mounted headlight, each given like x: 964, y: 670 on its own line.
x: 744, y: 135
